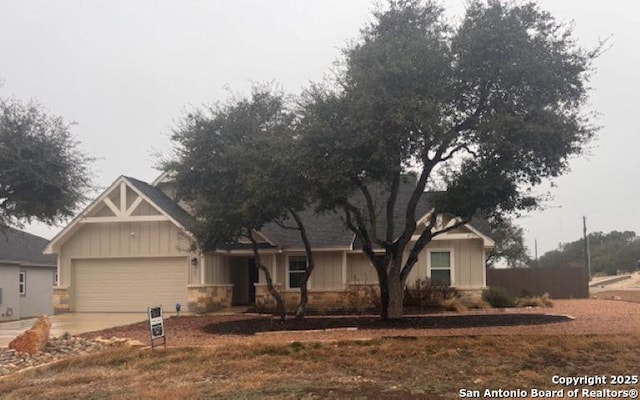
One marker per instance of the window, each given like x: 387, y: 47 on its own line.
x: 440, y: 263
x: 297, y: 266
x: 22, y: 283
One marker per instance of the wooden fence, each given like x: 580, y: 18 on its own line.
x: 560, y: 283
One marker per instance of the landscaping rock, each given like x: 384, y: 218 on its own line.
x: 57, y: 349
x: 34, y: 339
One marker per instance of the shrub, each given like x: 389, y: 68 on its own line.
x: 535, y: 301
x: 454, y: 304
x: 425, y: 293
x: 361, y: 298
x: 498, y: 297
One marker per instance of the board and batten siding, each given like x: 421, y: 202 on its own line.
x: 122, y: 240
x: 327, y: 272
x: 360, y: 269
x: 468, y: 263
x: 217, y: 270
x: 467, y: 258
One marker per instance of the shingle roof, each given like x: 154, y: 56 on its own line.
x: 163, y: 201
x: 18, y: 247
x: 328, y: 229
x: 323, y: 230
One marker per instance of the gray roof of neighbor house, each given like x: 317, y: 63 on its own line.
x: 163, y: 201
x: 18, y: 247
x: 328, y: 229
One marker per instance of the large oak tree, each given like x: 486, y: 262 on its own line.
x: 43, y: 173
x: 235, y: 165
x: 483, y: 111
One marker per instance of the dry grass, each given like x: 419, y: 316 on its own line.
x: 390, y: 368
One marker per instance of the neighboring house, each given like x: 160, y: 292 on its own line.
x: 131, y: 248
x: 27, y: 277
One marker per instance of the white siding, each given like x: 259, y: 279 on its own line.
x: 327, y: 273
x: 360, y: 270
x: 217, y: 269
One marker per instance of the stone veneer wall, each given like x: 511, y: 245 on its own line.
x: 61, y: 300
x: 207, y: 298
x: 470, y: 296
x: 356, y: 296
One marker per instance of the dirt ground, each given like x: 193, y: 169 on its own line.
x: 566, y: 317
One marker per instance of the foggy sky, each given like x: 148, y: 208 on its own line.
x: 127, y: 71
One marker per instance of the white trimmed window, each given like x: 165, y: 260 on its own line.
x: 297, y: 266
x: 22, y: 283
x: 440, y: 266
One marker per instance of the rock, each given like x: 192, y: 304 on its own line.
x: 34, y: 339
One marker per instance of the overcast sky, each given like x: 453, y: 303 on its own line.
x: 126, y: 71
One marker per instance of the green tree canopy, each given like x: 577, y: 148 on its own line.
x: 610, y: 252
x: 509, y: 240
x: 236, y: 166
x: 43, y: 173
x: 483, y: 111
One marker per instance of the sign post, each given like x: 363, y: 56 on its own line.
x: 156, y: 325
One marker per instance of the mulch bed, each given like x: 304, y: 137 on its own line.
x: 191, y: 330
x: 590, y: 317
x: 252, y: 326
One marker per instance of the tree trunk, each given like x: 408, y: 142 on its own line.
x: 396, y: 290
x: 304, y: 299
x: 304, y: 291
x: 383, y: 281
x: 280, y: 308
x: 396, y: 298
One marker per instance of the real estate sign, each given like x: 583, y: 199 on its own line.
x: 156, y: 323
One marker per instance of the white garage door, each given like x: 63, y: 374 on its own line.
x: 129, y: 285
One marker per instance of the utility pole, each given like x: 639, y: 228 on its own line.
x: 535, y: 247
x: 587, y: 254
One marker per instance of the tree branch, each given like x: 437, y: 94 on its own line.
x: 304, y: 295
x: 284, y: 226
x: 391, y: 205
x: 480, y: 108
x: 280, y: 308
x: 371, y: 210
x: 362, y: 235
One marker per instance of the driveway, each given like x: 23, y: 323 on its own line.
x: 73, y: 323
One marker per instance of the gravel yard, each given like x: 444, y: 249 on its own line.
x: 588, y: 317
x: 567, y: 317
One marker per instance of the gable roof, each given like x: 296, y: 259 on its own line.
x: 328, y: 229
x: 325, y: 230
x: 22, y: 248
x: 165, y: 205
x: 164, y: 202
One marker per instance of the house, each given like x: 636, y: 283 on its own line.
x: 27, y: 277
x: 131, y: 248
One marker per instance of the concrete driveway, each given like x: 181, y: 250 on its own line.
x: 73, y: 323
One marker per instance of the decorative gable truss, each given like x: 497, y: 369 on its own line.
x: 123, y: 204
x: 465, y: 231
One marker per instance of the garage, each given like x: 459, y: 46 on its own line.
x: 129, y: 284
